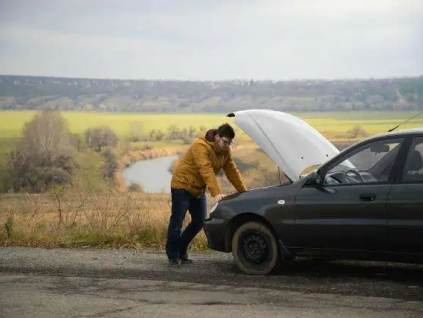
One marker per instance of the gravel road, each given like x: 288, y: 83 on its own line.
x: 305, y: 287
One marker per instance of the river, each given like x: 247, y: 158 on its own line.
x: 153, y: 174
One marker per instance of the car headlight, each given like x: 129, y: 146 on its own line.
x: 214, y: 207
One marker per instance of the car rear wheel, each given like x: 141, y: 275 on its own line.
x: 255, y: 249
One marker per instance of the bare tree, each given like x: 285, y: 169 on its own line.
x: 357, y: 131
x: 160, y: 135
x: 110, y: 166
x: 173, y: 132
x: 100, y: 137
x: 16, y: 169
x: 47, y: 136
x: 44, y: 156
x: 136, y: 131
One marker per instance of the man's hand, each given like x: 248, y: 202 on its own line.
x: 220, y: 197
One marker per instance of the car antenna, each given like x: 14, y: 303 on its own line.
x: 392, y: 129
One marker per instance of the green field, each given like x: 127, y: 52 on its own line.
x: 373, y: 122
x: 11, y: 122
x: 332, y: 124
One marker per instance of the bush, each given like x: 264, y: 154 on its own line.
x: 357, y: 131
x: 147, y: 147
x: 44, y: 157
x: 135, y: 187
x: 111, y: 166
x: 186, y: 140
x: 98, y: 138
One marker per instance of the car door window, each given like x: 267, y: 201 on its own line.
x: 413, y: 169
x: 371, y: 163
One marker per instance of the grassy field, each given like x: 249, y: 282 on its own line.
x: 137, y: 220
x: 85, y: 219
x: 11, y: 122
x: 372, y: 122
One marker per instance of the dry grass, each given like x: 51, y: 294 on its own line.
x: 71, y: 217
x: 131, y: 220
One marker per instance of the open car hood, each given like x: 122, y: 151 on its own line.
x: 289, y: 141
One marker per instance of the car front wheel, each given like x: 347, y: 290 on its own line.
x: 255, y: 249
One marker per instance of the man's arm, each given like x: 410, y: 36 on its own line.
x: 233, y: 175
x: 203, y: 164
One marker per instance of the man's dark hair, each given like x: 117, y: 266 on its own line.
x: 226, y: 130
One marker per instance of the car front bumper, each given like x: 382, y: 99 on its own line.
x: 215, y: 230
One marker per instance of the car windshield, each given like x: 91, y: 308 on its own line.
x: 369, y: 157
x: 366, y: 159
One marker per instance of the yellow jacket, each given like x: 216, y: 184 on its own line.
x: 197, y: 169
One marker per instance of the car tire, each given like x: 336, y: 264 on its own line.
x: 255, y: 249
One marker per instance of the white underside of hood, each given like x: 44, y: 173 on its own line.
x: 289, y: 141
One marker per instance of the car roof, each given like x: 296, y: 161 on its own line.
x: 396, y: 133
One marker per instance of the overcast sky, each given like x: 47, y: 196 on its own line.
x: 212, y: 39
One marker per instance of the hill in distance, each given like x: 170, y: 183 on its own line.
x: 111, y: 95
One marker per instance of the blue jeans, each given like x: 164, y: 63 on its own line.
x: 183, y: 201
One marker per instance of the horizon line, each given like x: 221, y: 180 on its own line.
x: 217, y: 80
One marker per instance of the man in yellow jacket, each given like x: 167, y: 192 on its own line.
x: 195, y: 172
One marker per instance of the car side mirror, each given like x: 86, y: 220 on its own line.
x: 314, y: 178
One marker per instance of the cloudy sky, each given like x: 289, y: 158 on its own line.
x: 212, y: 39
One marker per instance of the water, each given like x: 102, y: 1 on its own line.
x: 153, y: 174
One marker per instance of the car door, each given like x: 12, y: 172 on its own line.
x: 346, y: 211
x: 405, y: 203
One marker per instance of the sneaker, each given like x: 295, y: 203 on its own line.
x: 185, y: 259
x: 175, y: 262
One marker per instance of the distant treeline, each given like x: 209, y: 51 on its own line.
x: 107, y: 95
